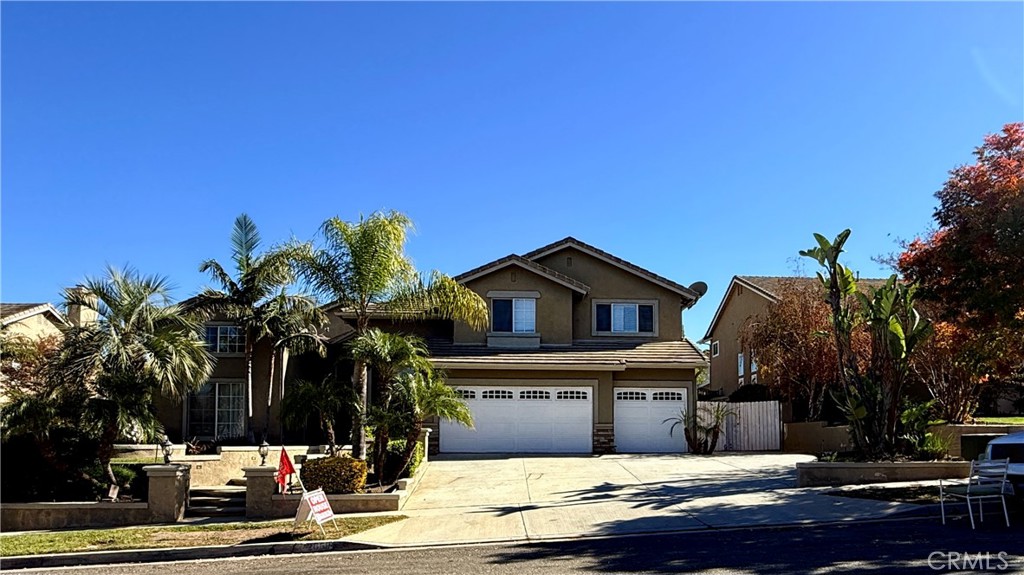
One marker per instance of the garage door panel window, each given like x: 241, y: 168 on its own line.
x: 631, y: 396
x: 514, y: 315
x: 534, y: 394
x: 666, y: 396
x: 466, y: 393
x: 496, y: 394
x: 571, y: 395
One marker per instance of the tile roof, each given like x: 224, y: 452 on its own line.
x: 573, y: 242
x: 772, y: 284
x: 556, y: 276
x: 609, y: 354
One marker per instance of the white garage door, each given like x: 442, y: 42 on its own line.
x: 639, y: 413
x: 523, y: 420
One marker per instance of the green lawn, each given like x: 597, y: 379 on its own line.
x: 1002, y: 420
x: 181, y: 536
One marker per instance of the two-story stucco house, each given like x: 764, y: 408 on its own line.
x: 585, y: 352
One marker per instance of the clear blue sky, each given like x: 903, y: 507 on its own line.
x: 697, y: 140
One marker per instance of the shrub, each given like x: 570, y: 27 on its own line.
x: 338, y: 474
x: 935, y: 446
x: 396, y: 449
x: 751, y: 392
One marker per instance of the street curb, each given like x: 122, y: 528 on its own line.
x: 178, y: 554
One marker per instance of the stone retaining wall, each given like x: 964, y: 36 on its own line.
x: 821, y: 473
x: 168, y: 498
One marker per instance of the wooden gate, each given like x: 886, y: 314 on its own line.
x: 751, y: 426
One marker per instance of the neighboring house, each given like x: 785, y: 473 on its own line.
x: 733, y: 364
x: 32, y: 320
x: 585, y: 353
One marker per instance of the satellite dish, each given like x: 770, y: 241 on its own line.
x: 700, y: 287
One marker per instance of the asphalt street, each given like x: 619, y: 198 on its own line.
x: 914, y: 546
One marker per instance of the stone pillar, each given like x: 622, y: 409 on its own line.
x: 425, y: 440
x: 260, y: 487
x: 604, y: 438
x: 168, y: 492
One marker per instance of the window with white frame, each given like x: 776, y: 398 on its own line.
x: 741, y: 382
x: 753, y: 378
x: 739, y: 363
x: 753, y: 363
x: 514, y: 315
x: 216, y: 411
x: 714, y: 349
x: 225, y: 339
x: 624, y: 317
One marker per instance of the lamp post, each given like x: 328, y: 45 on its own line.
x: 264, y: 450
x: 168, y: 448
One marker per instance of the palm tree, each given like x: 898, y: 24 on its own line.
x: 140, y: 345
x: 363, y: 267
x: 255, y: 297
x: 429, y: 395
x: 390, y: 355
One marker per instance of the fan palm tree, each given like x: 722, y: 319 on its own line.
x: 390, y: 355
x: 362, y: 266
x: 140, y: 345
x: 429, y: 395
x: 255, y: 297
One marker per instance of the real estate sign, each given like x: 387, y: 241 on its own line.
x: 314, y: 507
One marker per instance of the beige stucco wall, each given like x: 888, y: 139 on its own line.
x: 611, y: 282
x: 741, y: 305
x: 36, y: 326
x: 554, y: 306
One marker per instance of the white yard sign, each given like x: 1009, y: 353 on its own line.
x: 315, y: 507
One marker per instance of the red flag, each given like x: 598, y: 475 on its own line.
x: 284, y: 468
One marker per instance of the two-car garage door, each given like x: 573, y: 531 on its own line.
x: 523, y: 420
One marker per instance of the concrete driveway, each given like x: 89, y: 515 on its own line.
x: 501, y: 498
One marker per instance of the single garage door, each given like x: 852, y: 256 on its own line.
x: 639, y: 413
x: 523, y: 420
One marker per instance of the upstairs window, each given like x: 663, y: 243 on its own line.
x: 225, y: 339
x: 624, y: 318
x: 739, y: 363
x: 514, y: 315
x: 714, y: 349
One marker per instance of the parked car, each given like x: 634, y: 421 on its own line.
x: 1010, y: 446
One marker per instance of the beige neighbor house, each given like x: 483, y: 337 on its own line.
x: 585, y: 353
x: 31, y: 320
x: 732, y: 364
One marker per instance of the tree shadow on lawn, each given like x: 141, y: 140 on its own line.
x: 860, y: 549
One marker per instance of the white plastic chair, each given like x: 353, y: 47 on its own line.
x: 987, y: 480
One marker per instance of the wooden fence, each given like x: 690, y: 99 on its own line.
x: 751, y: 426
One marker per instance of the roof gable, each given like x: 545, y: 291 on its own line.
x: 571, y: 242
x: 15, y: 312
x: 531, y: 266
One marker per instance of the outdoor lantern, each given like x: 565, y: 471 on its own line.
x: 264, y: 450
x: 168, y: 448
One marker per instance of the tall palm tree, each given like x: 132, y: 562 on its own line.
x: 362, y: 266
x: 255, y: 296
x: 390, y: 355
x: 140, y: 345
x: 429, y: 395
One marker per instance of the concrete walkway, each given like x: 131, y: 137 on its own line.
x: 513, y: 498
